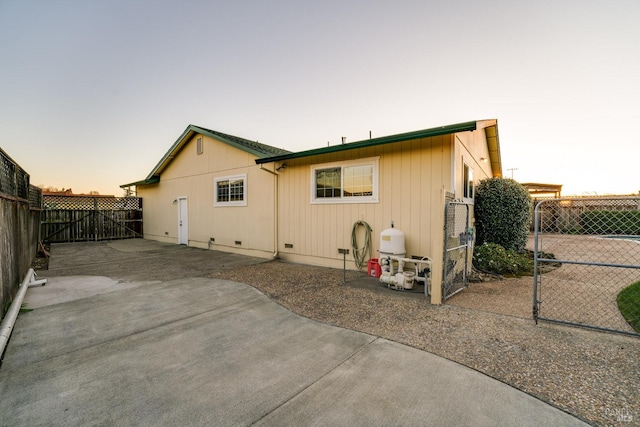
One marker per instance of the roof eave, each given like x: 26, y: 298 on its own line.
x: 170, y: 154
x: 147, y: 181
x: 442, y: 130
x: 493, y: 145
x: 185, y: 137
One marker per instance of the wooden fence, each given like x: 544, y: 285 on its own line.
x: 20, y: 205
x: 90, y: 218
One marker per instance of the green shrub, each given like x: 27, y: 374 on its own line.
x: 496, y: 259
x: 611, y: 222
x: 503, y: 213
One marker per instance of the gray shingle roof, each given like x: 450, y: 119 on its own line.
x: 255, y: 146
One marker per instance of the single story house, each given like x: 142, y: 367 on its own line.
x: 217, y: 191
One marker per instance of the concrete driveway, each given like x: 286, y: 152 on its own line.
x: 135, y: 333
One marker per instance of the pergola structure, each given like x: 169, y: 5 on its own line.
x: 545, y: 190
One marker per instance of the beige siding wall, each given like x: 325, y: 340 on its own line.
x: 192, y: 176
x: 413, y: 178
x: 470, y: 148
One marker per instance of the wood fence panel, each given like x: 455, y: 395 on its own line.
x: 20, y: 205
x: 80, y: 218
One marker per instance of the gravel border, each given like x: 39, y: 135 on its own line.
x: 592, y: 375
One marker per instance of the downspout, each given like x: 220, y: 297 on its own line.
x: 10, y: 319
x: 275, y: 210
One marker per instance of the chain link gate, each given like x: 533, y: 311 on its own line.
x: 586, y: 262
x: 458, y: 248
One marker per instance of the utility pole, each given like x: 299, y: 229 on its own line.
x: 512, y: 169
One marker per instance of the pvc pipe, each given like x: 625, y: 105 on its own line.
x: 35, y: 283
x: 10, y: 319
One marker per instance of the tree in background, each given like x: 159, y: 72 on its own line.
x: 65, y: 192
x: 503, y: 213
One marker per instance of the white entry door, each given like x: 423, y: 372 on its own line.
x: 183, y: 222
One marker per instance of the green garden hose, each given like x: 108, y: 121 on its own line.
x: 359, y: 254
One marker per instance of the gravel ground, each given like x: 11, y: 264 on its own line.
x: 592, y: 375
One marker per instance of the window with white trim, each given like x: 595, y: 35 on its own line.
x: 467, y: 182
x: 231, y: 190
x: 345, y: 182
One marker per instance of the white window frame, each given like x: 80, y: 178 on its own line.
x: 242, y: 202
x: 374, y: 162
x: 465, y: 182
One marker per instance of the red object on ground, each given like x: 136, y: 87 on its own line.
x: 373, y: 268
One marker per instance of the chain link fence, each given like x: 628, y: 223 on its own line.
x: 587, y: 263
x: 458, y: 248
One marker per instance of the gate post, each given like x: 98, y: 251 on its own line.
x: 437, y: 249
x: 95, y: 219
x: 536, y: 230
x: 436, y: 286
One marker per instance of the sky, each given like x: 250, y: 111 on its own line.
x: 94, y: 93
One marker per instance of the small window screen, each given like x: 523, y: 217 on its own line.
x: 199, y: 146
x: 328, y: 183
x: 358, y: 181
x: 223, y: 191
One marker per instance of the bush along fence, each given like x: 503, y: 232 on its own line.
x: 90, y: 218
x: 595, y: 276
x: 20, y: 206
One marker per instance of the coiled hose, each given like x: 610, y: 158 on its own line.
x: 359, y: 254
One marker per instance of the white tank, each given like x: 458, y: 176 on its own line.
x: 392, y: 242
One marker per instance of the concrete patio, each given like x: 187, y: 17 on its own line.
x: 134, y: 332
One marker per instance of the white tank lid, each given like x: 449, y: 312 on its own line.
x: 392, y: 241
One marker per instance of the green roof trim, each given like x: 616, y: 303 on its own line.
x: 442, y: 130
x: 148, y: 181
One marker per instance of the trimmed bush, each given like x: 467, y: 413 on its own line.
x: 496, y: 259
x: 502, y: 213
